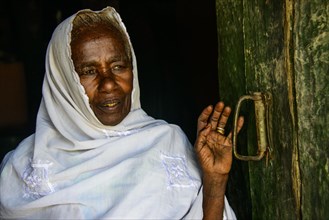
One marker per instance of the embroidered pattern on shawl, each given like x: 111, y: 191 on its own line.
x: 177, y: 171
x: 36, y: 181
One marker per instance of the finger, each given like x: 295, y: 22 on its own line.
x: 216, y: 114
x: 224, y: 117
x: 240, y: 123
x: 203, y: 118
x: 202, y: 138
x: 239, y: 126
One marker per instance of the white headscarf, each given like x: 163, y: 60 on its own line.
x: 74, y: 167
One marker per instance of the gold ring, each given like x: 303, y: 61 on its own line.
x: 220, y: 130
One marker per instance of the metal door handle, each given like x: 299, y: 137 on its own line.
x: 262, y: 103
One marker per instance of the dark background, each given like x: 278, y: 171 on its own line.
x: 175, y: 42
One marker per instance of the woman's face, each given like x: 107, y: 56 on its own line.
x: 105, y: 72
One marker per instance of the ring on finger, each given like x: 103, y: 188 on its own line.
x: 220, y: 130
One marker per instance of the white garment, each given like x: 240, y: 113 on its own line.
x: 74, y: 167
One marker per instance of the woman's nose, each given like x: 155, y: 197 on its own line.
x: 107, y: 82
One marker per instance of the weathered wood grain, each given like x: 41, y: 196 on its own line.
x: 311, y: 67
x: 280, y: 46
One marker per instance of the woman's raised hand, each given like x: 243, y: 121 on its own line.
x: 213, y: 145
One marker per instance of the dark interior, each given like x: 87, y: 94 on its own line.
x: 175, y: 42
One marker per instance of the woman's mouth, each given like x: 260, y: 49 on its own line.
x: 111, y: 111
x: 112, y: 104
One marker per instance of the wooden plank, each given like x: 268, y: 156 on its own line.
x: 231, y: 87
x: 266, y: 70
x: 262, y: 68
x: 311, y: 66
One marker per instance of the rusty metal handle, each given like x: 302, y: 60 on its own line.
x: 261, y: 104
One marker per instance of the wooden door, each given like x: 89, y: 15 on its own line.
x: 282, y: 47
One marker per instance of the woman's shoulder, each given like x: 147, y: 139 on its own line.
x: 22, y: 152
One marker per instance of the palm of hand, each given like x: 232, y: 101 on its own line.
x: 214, y: 150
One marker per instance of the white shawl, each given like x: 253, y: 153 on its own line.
x: 74, y: 167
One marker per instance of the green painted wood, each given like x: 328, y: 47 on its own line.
x: 311, y: 67
x: 283, y: 47
x: 232, y: 86
x: 272, y: 188
x: 262, y: 68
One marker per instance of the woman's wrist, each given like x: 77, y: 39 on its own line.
x: 214, y: 186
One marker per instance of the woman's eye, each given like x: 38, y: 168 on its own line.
x: 88, y: 72
x: 118, y: 67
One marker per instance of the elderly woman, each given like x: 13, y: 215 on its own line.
x: 96, y: 154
